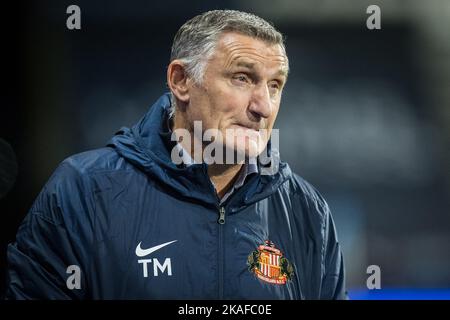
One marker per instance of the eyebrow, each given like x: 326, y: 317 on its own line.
x: 283, y: 72
x: 250, y: 65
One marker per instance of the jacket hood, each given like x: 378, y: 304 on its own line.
x: 147, y: 145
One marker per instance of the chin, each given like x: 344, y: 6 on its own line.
x: 252, y: 149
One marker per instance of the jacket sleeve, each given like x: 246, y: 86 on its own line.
x: 333, y: 282
x: 52, y: 237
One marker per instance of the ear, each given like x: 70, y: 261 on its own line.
x: 177, y: 80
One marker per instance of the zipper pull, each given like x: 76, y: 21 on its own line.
x: 221, y: 215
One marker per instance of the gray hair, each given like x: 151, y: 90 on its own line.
x: 195, y: 41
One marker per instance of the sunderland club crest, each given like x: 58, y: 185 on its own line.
x: 269, y: 264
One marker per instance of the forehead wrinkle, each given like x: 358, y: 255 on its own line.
x: 233, y: 56
x: 233, y: 47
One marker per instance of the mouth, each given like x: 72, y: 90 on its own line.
x: 249, y: 127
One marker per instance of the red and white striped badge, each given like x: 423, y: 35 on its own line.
x: 269, y: 264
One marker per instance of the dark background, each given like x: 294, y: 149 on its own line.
x: 365, y: 115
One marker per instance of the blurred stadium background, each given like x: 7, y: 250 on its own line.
x: 365, y: 115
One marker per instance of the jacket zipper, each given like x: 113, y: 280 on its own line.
x: 221, y: 215
x: 221, y: 222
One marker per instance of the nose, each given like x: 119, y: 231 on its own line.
x: 260, y: 103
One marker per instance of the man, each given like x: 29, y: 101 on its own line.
x: 133, y: 221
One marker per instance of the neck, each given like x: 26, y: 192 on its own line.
x: 223, y: 176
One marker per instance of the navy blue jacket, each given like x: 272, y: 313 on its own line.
x: 125, y: 222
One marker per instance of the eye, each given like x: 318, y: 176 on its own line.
x: 241, y: 78
x: 274, y: 87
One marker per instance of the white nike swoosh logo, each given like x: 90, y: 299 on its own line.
x: 145, y: 252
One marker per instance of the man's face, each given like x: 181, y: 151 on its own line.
x: 241, y: 91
